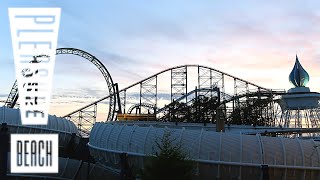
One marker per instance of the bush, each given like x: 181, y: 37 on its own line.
x: 170, y: 163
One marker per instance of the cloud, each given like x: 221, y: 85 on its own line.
x: 253, y: 41
x: 3, y: 95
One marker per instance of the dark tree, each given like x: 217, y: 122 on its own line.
x: 170, y: 163
x: 252, y: 111
x: 201, y: 109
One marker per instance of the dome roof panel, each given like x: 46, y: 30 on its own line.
x: 209, y: 145
x: 12, y: 117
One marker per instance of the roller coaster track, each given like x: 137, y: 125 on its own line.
x: 254, y: 94
x: 264, y: 94
x: 151, y: 106
x: 206, y: 90
x: 228, y: 98
x: 14, y: 93
x: 207, y: 78
x: 136, y: 106
x: 174, y: 71
x: 13, y: 96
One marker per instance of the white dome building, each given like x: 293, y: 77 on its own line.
x: 12, y: 118
x: 56, y: 125
x: 218, y: 155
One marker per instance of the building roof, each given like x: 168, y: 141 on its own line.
x: 205, y: 144
x: 12, y: 117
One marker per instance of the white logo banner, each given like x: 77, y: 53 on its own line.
x: 34, y: 153
x: 34, y: 33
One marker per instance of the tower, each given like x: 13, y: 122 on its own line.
x: 299, y: 106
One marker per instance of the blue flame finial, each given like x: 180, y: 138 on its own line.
x: 298, y: 76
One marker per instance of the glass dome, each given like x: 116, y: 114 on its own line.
x: 298, y: 76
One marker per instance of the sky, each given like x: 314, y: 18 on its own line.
x: 253, y: 40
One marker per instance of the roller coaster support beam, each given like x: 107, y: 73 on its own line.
x: 148, y: 92
x: 178, y: 83
x: 13, y: 96
x: 118, y: 97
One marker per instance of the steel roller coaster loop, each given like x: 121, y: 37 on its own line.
x: 14, y: 95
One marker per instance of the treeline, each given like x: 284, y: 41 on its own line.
x: 248, y: 111
x: 201, y: 109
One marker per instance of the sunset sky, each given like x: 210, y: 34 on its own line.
x: 254, y: 40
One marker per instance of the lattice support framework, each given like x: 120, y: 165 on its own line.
x: 85, y: 119
x: 178, y: 83
x: 209, y: 79
x: 148, y: 93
